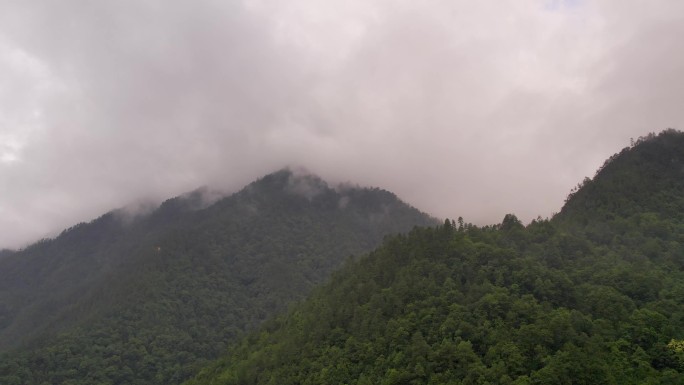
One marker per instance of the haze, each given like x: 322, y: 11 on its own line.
x: 462, y: 108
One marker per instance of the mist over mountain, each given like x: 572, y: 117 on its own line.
x: 140, y: 297
x: 102, y: 103
x: 595, y: 295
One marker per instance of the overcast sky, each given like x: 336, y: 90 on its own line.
x: 462, y: 108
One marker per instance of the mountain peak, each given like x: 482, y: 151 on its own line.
x: 195, y: 276
x: 298, y: 181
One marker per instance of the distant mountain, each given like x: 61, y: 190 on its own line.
x: 149, y: 298
x: 593, y: 296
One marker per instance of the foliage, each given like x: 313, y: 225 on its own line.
x: 593, y: 296
x: 149, y: 300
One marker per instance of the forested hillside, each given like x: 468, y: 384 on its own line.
x: 647, y: 177
x: 149, y: 299
x: 594, y: 295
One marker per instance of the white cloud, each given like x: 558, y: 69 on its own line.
x: 462, y: 108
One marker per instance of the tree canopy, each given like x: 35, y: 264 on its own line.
x: 594, y: 295
x: 150, y: 300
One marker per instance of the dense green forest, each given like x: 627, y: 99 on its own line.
x: 150, y: 299
x: 595, y: 295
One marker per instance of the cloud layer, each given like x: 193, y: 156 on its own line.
x: 471, y: 109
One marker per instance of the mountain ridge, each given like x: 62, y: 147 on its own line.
x: 190, y: 275
x: 593, y: 296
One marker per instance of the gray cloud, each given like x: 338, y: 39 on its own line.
x: 461, y: 108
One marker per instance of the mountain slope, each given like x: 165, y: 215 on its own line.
x: 550, y: 303
x: 148, y: 299
x: 647, y: 177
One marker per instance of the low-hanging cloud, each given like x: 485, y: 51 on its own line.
x: 471, y: 109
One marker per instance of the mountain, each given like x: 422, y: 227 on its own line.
x: 594, y: 295
x: 646, y: 177
x: 148, y: 298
